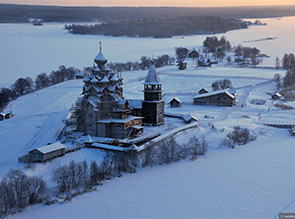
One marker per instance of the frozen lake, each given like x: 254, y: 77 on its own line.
x: 28, y: 50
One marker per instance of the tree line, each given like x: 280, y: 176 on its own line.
x: 160, y: 27
x: 26, y: 85
x: 12, y: 13
x: 287, y: 63
x: 144, y: 63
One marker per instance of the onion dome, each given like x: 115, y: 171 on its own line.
x: 100, y: 59
x: 152, y: 77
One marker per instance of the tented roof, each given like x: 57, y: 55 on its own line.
x: 152, y: 77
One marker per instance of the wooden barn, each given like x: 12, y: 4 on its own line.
x: 47, y: 152
x: 175, y: 102
x: 216, y: 98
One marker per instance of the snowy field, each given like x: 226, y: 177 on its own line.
x: 251, y: 181
x: 28, y: 50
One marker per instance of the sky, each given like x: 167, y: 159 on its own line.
x: 173, y: 3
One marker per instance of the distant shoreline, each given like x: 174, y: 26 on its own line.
x: 12, y: 13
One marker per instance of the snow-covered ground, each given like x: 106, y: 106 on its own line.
x: 28, y: 50
x: 252, y: 181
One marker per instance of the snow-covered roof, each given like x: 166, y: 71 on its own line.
x: 114, y: 78
x: 135, y: 103
x: 94, y: 80
x: 105, y: 79
x: 50, y: 148
x: 188, y: 117
x: 81, y: 74
x: 175, y: 98
x: 125, y: 120
x: 215, y: 93
x: 152, y: 76
x: 107, y: 68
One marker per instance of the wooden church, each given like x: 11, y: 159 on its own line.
x: 102, y: 110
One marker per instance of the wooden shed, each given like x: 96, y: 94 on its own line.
x: 2, y: 116
x: 47, y: 152
x: 175, y: 102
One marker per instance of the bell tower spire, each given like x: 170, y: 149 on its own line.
x: 153, y: 105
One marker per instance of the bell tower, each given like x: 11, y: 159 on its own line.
x: 153, y: 105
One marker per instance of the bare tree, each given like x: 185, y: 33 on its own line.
x: 37, y: 189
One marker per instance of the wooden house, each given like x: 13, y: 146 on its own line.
x: 47, y: 152
x: 216, y: 98
x: 193, y: 54
x: 276, y: 96
x: 175, y: 102
x: 2, y: 116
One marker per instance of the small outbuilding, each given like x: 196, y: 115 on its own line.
x: 47, y: 152
x: 80, y: 75
x: 188, y: 118
x: 2, y: 116
x: 276, y: 96
x: 175, y: 102
x: 181, y: 65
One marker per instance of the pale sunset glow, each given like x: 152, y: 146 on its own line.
x: 172, y: 3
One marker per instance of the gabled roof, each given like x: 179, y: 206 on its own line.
x: 152, y: 77
x: 215, y: 93
x: 50, y: 148
x: 189, y: 117
x: 175, y: 98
